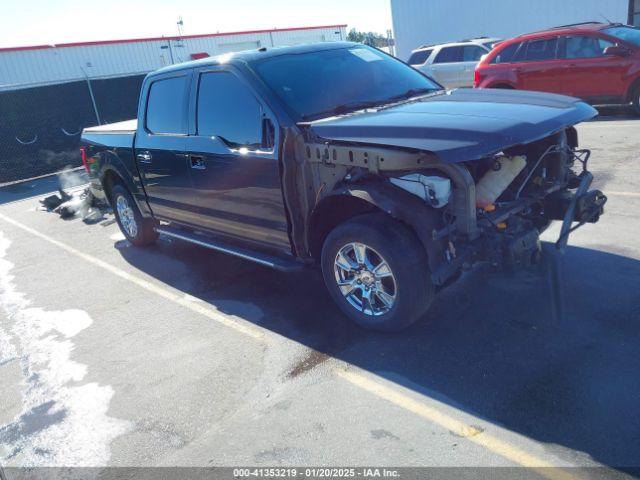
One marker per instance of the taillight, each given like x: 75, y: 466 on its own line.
x: 83, y: 156
x: 477, y: 78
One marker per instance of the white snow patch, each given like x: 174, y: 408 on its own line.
x: 62, y: 422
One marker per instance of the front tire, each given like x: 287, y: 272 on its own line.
x: 376, y: 271
x: 140, y: 231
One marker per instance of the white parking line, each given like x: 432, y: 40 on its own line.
x: 235, y: 323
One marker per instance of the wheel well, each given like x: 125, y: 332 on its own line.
x: 109, y: 179
x: 633, y: 88
x: 329, y: 214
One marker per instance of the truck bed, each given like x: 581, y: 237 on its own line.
x: 127, y: 126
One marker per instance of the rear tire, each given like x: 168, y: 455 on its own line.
x: 635, y: 100
x: 140, y: 231
x: 376, y: 271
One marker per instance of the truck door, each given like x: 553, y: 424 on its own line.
x: 160, y: 146
x: 235, y: 174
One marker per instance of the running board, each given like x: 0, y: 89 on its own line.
x: 272, y: 261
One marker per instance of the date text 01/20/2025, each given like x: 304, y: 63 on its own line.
x: 367, y: 472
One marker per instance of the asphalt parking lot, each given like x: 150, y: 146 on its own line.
x: 175, y: 355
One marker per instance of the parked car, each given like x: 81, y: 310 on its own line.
x: 451, y: 64
x: 342, y: 156
x: 597, y: 62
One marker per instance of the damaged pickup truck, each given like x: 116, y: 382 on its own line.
x: 341, y: 156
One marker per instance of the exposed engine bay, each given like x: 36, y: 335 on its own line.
x: 490, y: 209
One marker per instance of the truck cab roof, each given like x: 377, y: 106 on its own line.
x: 248, y: 56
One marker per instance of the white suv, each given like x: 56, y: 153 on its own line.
x: 452, y: 64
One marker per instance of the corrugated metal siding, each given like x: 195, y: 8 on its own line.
x: 419, y: 22
x: 46, y: 66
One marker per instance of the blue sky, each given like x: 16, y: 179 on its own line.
x: 31, y: 22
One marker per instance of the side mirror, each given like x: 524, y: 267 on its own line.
x: 617, y: 51
x: 268, y: 134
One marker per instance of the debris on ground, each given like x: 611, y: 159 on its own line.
x: 78, y: 205
x: 53, y: 201
x: 76, y: 201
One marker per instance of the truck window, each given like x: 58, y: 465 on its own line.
x: 228, y: 109
x: 315, y: 82
x: 166, y: 106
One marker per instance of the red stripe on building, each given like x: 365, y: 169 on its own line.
x: 156, y: 39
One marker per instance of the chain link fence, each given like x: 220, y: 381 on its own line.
x: 40, y: 127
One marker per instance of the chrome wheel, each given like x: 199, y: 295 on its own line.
x: 365, y: 279
x: 126, y: 216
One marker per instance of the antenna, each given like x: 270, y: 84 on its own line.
x: 608, y: 21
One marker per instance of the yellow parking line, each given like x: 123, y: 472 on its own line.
x: 375, y: 387
x: 237, y: 324
x: 471, y: 433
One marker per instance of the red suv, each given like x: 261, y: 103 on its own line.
x: 597, y: 62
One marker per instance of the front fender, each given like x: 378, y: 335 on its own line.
x: 405, y: 207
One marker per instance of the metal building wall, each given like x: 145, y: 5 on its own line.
x: 45, y: 65
x: 45, y: 101
x: 419, y: 22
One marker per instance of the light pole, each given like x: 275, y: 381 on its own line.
x: 93, y: 99
x: 180, y: 24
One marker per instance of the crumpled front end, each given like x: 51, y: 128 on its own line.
x: 514, y: 204
x: 501, y: 198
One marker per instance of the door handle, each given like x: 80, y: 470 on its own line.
x: 144, y: 157
x: 197, y: 162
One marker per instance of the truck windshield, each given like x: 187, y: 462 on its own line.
x: 628, y: 34
x: 326, y: 82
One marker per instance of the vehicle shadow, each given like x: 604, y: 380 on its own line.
x: 489, y: 345
x: 607, y: 113
x: 21, y: 190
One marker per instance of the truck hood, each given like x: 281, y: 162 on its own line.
x: 460, y: 125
